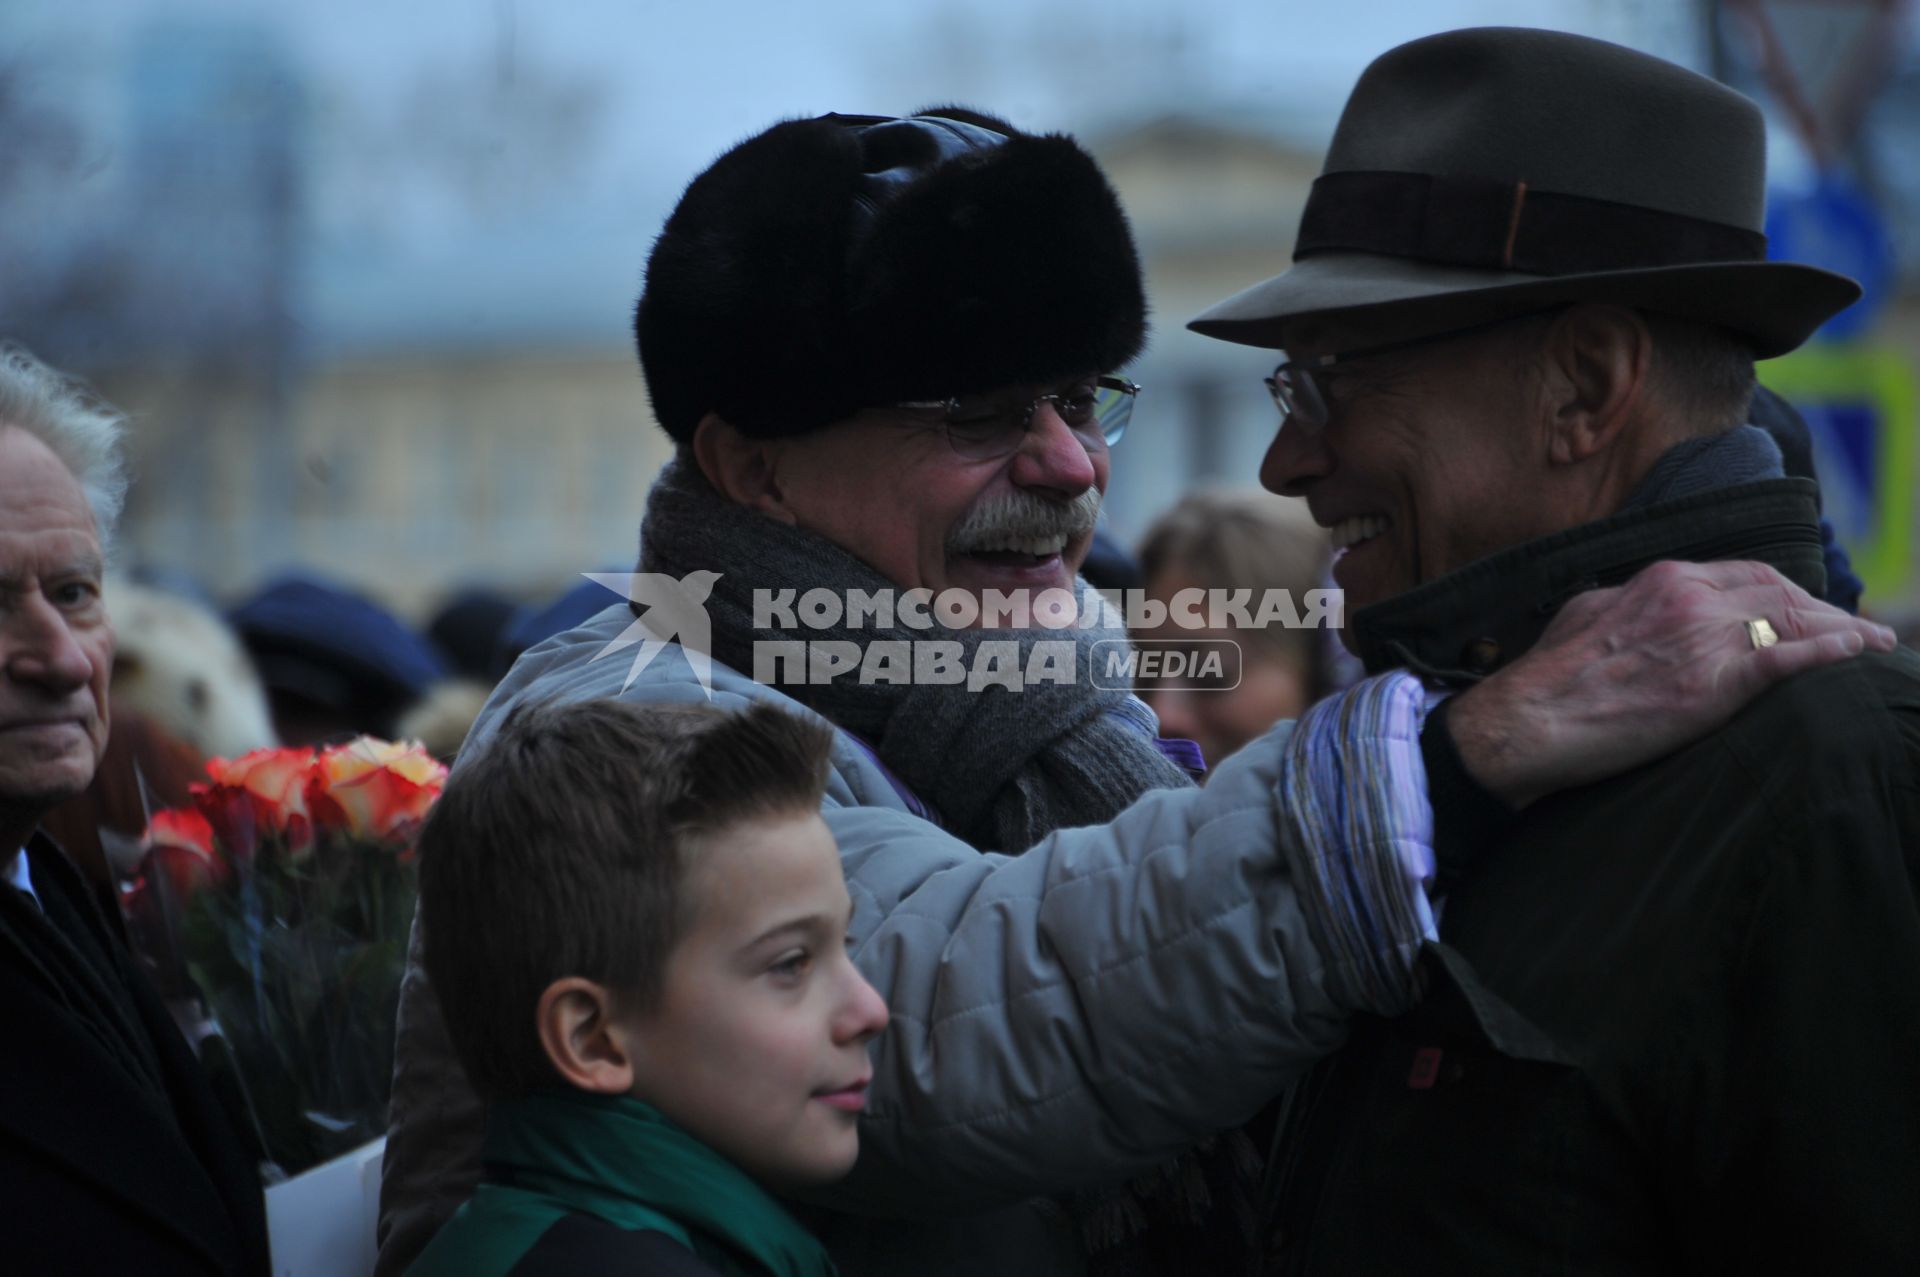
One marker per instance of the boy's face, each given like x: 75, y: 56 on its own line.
x: 759, y: 1044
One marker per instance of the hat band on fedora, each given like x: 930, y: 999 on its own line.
x: 1494, y: 225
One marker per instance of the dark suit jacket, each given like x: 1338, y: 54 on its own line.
x: 114, y: 1156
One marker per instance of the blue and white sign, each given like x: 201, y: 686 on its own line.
x: 1833, y: 225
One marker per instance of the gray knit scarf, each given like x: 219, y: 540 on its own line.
x: 1001, y: 768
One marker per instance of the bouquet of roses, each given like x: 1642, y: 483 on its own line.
x: 283, y: 896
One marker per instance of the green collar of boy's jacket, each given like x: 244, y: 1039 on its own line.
x: 556, y: 1153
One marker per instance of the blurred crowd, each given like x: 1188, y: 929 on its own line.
x: 303, y: 660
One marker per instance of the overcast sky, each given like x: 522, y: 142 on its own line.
x: 480, y: 167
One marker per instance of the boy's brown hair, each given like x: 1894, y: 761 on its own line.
x: 560, y: 850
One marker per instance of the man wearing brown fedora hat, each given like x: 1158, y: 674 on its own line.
x: 1671, y: 1022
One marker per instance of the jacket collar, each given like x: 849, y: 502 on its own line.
x: 624, y: 1161
x: 1469, y: 623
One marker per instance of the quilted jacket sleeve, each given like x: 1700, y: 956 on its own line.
x: 1062, y: 1016
x: 1086, y: 1010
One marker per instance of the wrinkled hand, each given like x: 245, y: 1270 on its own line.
x: 1623, y: 676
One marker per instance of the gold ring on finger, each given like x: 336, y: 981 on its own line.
x: 1760, y: 633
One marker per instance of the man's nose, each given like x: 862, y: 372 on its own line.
x: 1296, y: 457
x: 1052, y: 455
x: 42, y: 648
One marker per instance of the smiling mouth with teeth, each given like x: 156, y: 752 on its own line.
x: 1024, y: 549
x: 1351, y: 532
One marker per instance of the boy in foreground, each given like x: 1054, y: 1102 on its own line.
x: 639, y: 937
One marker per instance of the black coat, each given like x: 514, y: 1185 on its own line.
x: 114, y: 1156
x: 1675, y: 1024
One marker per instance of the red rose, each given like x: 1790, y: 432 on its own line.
x: 231, y: 814
x: 180, y: 846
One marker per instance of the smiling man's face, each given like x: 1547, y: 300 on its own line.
x: 896, y: 495
x: 1430, y: 460
x: 56, y: 645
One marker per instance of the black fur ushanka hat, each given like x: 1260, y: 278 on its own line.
x: 845, y: 262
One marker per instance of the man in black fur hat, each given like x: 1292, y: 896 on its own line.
x: 1673, y: 1023
x: 890, y: 351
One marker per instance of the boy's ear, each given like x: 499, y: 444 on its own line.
x: 583, y: 1037
x: 741, y: 468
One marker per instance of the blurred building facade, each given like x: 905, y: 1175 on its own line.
x: 410, y: 474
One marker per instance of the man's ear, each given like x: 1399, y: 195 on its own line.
x: 1595, y: 369
x: 584, y: 1038
x: 742, y: 469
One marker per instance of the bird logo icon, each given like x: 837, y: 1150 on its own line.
x: 667, y: 610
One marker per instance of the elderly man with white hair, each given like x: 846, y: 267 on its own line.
x: 114, y: 1155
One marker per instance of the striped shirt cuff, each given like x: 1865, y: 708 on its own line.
x: 1360, y: 837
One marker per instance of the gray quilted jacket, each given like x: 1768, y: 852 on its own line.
x: 1069, y: 1016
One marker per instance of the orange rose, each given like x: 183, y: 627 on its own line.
x: 374, y: 788
x: 276, y: 780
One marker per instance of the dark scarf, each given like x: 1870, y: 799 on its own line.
x: 1720, y: 497
x: 1776, y: 444
x: 1745, y: 454
x: 563, y: 1152
x: 1001, y: 768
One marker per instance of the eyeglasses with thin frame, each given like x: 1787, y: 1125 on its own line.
x: 1299, y: 386
x: 986, y: 427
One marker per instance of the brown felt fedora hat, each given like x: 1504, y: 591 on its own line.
x: 1498, y: 170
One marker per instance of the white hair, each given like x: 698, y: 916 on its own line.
x: 79, y: 427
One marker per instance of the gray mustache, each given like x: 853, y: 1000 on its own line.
x: 1023, y: 514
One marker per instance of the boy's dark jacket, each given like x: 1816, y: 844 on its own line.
x: 1674, y: 1024
x: 114, y: 1155
x: 575, y: 1183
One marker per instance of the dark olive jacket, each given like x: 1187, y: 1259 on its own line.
x: 1674, y: 1023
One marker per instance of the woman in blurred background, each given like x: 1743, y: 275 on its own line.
x: 1228, y: 540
